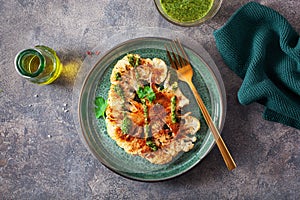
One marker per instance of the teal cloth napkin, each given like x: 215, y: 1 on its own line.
x: 261, y: 47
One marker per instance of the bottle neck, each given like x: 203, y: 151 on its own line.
x: 30, y: 63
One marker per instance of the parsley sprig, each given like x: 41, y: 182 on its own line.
x: 100, y: 108
x: 146, y: 92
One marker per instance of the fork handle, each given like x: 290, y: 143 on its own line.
x: 220, y: 143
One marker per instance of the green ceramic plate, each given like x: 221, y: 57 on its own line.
x: 108, y: 152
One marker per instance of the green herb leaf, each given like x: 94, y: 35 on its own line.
x: 152, y: 145
x: 118, y: 76
x: 141, y: 93
x: 100, y: 108
x: 146, y: 92
x: 134, y: 61
x: 130, y: 59
x: 151, y: 96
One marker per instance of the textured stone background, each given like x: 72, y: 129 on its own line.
x: 41, y: 155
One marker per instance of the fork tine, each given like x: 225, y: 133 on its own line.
x: 175, y: 59
x: 176, y: 54
x: 181, y: 52
x: 180, y: 59
x: 173, y: 64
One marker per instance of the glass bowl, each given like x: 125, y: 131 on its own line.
x: 180, y: 13
x: 96, y: 82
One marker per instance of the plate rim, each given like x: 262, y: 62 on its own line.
x: 166, y: 39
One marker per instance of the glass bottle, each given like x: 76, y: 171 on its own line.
x: 39, y: 64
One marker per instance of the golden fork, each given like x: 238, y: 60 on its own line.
x: 179, y: 61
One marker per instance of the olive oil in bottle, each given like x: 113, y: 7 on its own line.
x: 39, y: 64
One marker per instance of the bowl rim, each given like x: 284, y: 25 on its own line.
x: 211, y: 13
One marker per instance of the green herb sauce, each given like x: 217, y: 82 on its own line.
x: 186, y: 10
x: 146, y: 125
x: 145, y: 111
x: 119, y: 91
x: 173, y: 109
x: 126, y: 125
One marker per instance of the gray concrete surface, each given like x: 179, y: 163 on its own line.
x: 41, y: 155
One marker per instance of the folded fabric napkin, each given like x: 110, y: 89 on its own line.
x: 261, y: 47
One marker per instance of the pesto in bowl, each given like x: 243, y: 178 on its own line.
x: 188, y: 12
